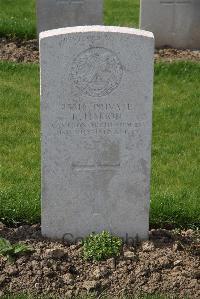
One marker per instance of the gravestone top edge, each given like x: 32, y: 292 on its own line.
x: 95, y: 28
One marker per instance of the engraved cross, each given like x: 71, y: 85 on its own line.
x: 95, y: 167
x: 174, y: 4
x: 71, y: 1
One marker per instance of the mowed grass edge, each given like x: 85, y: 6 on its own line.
x: 175, y: 151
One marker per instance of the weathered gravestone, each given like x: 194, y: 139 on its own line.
x: 175, y: 23
x: 53, y: 14
x: 96, y: 112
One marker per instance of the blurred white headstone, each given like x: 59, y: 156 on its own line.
x: 53, y: 14
x: 96, y: 112
x: 175, y: 23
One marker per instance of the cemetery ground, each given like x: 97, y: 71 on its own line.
x: 175, y: 170
x: 169, y: 262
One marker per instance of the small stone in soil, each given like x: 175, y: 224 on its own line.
x: 129, y: 255
x: 148, y: 246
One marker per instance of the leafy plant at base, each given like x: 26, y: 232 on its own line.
x: 101, y: 246
x: 11, y: 251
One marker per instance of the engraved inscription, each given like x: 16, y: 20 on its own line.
x: 96, y: 72
x: 96, y: 119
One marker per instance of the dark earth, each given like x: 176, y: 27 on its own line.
x: 168, y: 263
x: 27, y: 51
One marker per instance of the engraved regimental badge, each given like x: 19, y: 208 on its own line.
x: 96, y: 72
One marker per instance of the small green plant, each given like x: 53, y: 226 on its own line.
x: 101, y: 246
x: 11, y: 251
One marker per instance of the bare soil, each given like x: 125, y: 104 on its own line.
x: 27, y: 51
x: 168, y: 263
x: 171, y: 55
x: 19, y: 50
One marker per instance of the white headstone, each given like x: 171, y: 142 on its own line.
x: 175, y: 23
x: 53, y: 14
x: 96, y: 112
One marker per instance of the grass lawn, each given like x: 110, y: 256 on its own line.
x: 175, y: 188
x: 19, y: 105
x: 121, y: 12
x: 18, y: 18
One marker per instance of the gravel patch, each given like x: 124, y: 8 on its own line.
x: 27, y: 51
x: 19, y: 50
